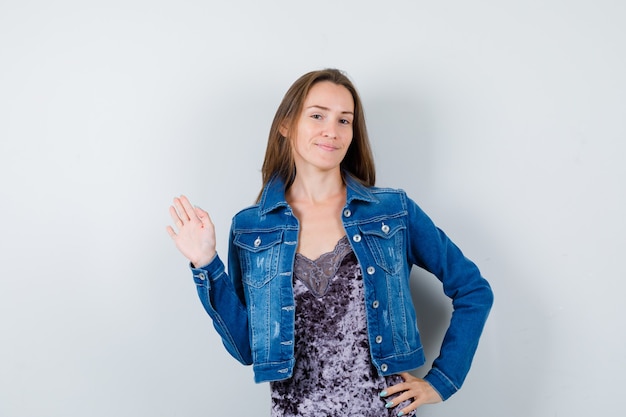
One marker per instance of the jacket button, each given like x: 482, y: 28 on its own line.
x: 379, y: 339
x: 257, y: 242
x: 356, y: 238
x: 202, y: 276
x: 385, y: 228
x: 384, y: 367
x: 375, y: 304
x: 371, y: 270
x: 347, y: 213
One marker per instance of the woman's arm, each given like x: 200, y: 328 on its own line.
x: 471, y: 296
x: 220, y: 295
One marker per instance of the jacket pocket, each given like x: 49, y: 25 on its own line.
x: 385, y: 239
x: 259, y: 252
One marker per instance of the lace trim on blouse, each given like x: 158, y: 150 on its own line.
x: 317, y: 274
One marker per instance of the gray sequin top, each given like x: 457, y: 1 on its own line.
x: 333, y: 374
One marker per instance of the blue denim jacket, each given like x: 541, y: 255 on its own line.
x: 252, y: 306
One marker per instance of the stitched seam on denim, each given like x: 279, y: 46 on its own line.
x: 446, y: 378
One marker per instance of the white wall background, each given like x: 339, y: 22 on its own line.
x: 505, y: 120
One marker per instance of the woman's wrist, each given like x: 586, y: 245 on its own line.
x: 204, y: 260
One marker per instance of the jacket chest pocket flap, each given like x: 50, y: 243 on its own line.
x: 385, y: 239
x: 259, y: 252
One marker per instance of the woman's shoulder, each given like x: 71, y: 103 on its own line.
x: 359, y: 190
x: 247, y: 213
x: 258, y: 217
x: 384, y: 193
x: 392, y: 199
x: 388, y: 191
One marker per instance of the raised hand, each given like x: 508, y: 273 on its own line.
x: 195, y: 238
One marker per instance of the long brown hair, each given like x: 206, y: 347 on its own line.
x: 279, y: 161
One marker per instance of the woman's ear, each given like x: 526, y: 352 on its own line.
x: 284, y: 128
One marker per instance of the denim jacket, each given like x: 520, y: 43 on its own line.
x: 252, y: 307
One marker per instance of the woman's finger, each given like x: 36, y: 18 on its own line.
x: 204, y: 217
x: 189, y: 208
x: 175, y: 217
x: 180, y: 208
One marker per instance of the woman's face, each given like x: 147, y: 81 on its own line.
x: 324, y: 128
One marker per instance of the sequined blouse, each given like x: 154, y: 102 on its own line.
x: 333, y: 374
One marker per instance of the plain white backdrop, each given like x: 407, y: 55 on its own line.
x: 504, y: 120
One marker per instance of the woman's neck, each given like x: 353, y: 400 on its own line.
x: 316, y: 188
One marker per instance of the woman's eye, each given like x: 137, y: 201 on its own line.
x: 344, y: 121
x: 316, y: 116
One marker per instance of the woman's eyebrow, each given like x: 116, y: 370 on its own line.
x: 315, y: 106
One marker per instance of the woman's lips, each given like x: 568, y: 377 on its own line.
x: 326, y: 146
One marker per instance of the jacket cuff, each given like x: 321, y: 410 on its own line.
x: 210, y: 272
x: 441, y: 383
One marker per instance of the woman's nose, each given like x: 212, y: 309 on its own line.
x: 330, y: 132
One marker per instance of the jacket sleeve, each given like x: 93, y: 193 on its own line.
x: 222, y: 296
x: 470, y: 293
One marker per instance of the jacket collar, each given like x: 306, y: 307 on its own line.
x: 273, y: 195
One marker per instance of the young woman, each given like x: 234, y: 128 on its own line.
x: 317, y: 293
